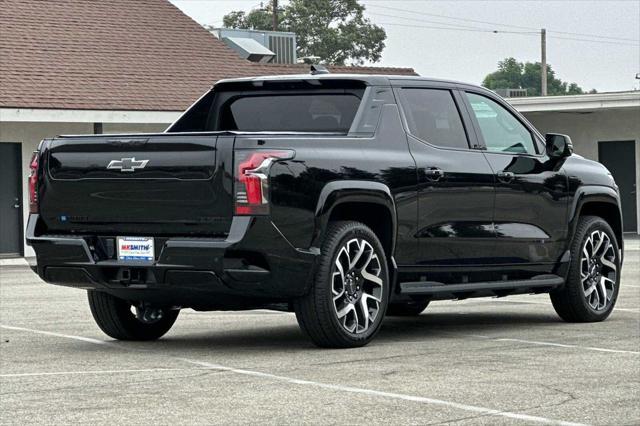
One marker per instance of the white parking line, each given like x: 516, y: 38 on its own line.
x: 349, y: 389
x: 530, y: 342
x: 66, y: 336
x: 560, y: 345
x: 533, y: 302
x: 74, y: 373
x: 392, y: 395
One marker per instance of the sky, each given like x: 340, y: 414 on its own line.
x: 608, y: 60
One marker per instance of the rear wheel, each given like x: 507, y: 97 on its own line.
x: 348, y: 299
x: 592, y: 286
x: 407, y: 309
x: 123, y: 320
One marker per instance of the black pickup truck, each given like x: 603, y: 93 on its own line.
x: 343, y: 198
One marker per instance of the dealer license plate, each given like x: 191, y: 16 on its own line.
x: 136, y: 248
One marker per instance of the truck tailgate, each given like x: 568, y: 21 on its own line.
x: 136, y: 184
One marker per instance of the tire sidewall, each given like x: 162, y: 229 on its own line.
x: 324, y: 279
x: 596, y: 224
x: 114, y: 317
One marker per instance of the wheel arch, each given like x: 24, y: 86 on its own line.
x: 368, y: 202
x: 598, y: 201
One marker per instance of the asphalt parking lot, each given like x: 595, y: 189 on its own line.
x: 482, y: 361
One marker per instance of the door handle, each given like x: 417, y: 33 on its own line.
x: 16, y: 203
x: 505, y: 176
x: 434, y: 173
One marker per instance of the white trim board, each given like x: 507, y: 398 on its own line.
x: 596, y: 101
x: 86, y: 116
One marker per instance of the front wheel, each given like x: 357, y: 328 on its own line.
x: 593, y: 281
x: 348, y: 299
x: 117, y: 319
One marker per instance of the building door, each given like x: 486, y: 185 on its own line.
x: 10, y: 200
x: 620, y: 158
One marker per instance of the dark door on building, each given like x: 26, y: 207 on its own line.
x: 620, y: 158
x: 10, y: 200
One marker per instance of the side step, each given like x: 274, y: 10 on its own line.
x: 464, y: 290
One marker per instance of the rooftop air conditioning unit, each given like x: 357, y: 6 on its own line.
x: 512, y: 93
x: 284, y: 46
x: 277, y: 47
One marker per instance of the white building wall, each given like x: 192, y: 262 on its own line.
x: 586, y: 129
x: 29, y: 134
x: 134, y: 127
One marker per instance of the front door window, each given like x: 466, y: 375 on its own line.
x: 501, y: 130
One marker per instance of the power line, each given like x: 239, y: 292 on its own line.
x: 397, y: 24
x: 617, y: 43
x: 527, y: 33
x: 497, y: 23
x: 471, y: 29
x: 397, y: 9
x: 425, y: 21
x: 597, y: 36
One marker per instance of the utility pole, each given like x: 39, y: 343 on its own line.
x: 275, y: 15
x: 543, y: 76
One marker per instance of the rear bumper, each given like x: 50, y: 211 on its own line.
x: 254, y: 261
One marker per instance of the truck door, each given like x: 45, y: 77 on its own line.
x: 531, y: 204
x: 455, y: 181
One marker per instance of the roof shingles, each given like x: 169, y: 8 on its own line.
x: 116, y: 55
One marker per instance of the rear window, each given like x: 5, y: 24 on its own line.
x: 290, y: 113
x: 295, y: 108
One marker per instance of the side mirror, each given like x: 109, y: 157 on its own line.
x: 558, y: 146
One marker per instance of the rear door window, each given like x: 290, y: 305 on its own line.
x: 331, y: 112
x: 432, y: 115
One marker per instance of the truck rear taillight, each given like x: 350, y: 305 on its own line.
x: 33, y: 182
x: 252, y: 179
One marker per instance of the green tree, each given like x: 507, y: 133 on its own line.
x: 334, y: 30
x: 256, y: 19
x: 512, y: 74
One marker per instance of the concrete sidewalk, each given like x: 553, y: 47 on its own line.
x: 15, y: 261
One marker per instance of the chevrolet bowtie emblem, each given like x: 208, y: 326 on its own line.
x: 127, y: 164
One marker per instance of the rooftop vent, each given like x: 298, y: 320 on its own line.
x: 249, y: 49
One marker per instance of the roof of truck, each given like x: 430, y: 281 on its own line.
x: 370, y: 79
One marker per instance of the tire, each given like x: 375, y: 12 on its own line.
x: 583, y: 298
x: 115, y: 319
x: 343, y: 322
x: 407, y: 309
